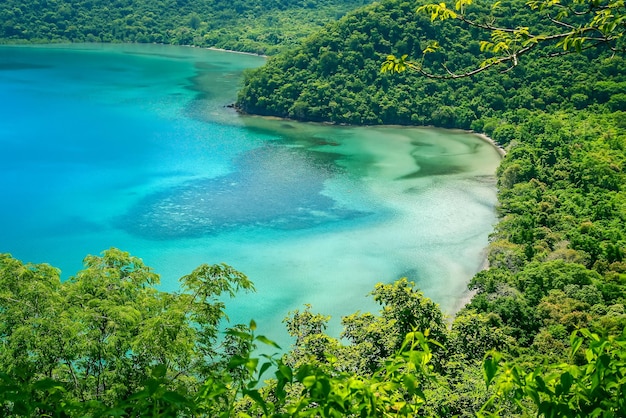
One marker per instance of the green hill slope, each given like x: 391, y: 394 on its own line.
x: 251, y: 26
x: 335, y: 75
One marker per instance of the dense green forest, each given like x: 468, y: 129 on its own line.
x: 256, y: 26
x: 544, y: 335
x: 335, y: 75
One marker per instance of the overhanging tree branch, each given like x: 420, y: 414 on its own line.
x: 602, y: 22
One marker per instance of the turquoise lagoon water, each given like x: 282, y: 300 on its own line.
x: 133, y: 146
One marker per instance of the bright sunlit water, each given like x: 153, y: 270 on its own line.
x: 133, y: 146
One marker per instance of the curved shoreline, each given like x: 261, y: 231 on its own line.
x: 466, y: 297
x: 482, y: 136
x: 212, y: 48
x: 469, y: 294
x: 485, y: 138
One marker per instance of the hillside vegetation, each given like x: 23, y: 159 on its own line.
x: 335, y: 75
x: 256, y: 26
x: 544, y: 335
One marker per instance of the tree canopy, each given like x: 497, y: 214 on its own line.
x: 335, y: 75
x: 262, y: 27
x: 107, y: 343
x: 100, y: 334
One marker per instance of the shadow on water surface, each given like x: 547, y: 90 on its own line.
x: 432, y: 168
x: 432, y: 162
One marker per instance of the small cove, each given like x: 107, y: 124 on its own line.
x: 133, y: 146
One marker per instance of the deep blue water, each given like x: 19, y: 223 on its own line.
x: 133, y: 146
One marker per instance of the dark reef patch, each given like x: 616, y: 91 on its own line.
x: 272, y: 187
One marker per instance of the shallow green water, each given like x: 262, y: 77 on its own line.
x: 133, y: 146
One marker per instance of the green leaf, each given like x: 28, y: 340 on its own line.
x: 264, y: 368
x: 115, y: 412
x: 267, y: 341
x: 461, y: 4
x: 432, y: 47
x: 309, y: 381
x: 410, y: 383
x: 576, y: 342
x: 236, y: 361
x: 159, y: 371
x: 175, y: 398
x: 251, y: 364
x: 257, y: 398
x: 566, y: 381
x: 240, y: 334
x: 47, y: 384
x: 285, y: 372
x: 490, y: 367
x: 21, y: 408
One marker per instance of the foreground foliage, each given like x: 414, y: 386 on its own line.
x: 594, y: 387
x: 98, y: 336
x: 84, y: 355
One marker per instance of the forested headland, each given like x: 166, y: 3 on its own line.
x: 261, y: 27
x: 335, y: 76
x: 545, y: 333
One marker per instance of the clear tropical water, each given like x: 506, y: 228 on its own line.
x: 133, y: 146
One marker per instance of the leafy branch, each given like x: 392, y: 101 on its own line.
x: 578, y: 25
x: 592, y: 389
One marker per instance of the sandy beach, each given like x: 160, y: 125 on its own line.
x: 485, y: 138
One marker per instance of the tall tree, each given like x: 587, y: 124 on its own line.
x: 102, y: 332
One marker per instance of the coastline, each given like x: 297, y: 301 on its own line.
x: 482, y: 136
x: 77, y: 44
x: 212, y: 48
x: 469, y: 294
x: 462, y: 302
x: 485, y: 138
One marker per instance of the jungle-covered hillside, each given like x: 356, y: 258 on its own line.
x: 256, y: 26
x: 335, y: 75
x: 544, y: 334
